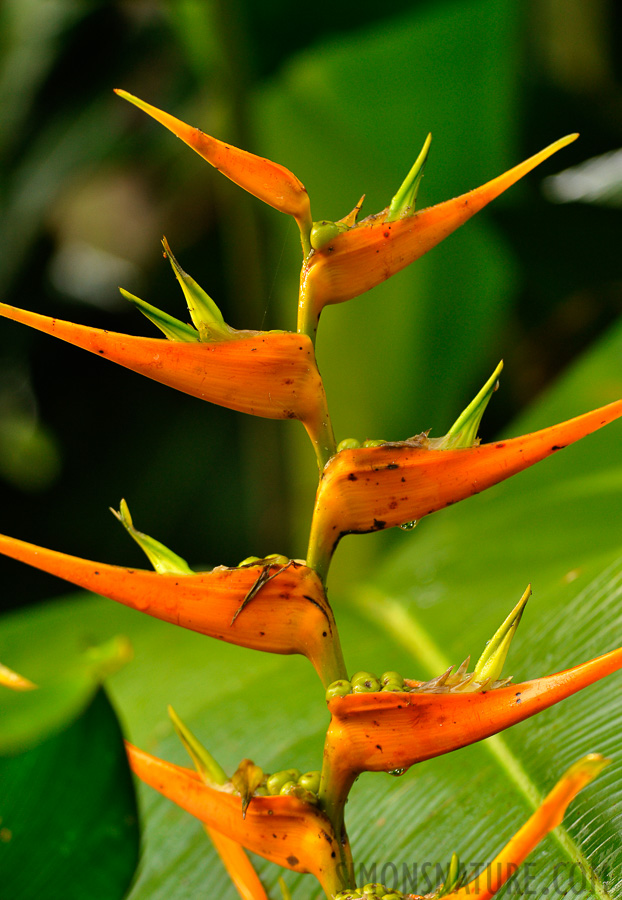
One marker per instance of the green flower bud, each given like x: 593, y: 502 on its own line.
x: 323, y: 232
x: 394, y: 895
x: 276, y: 781
x: 249, y: 561
x: 391, y: 676
x: 289, y: 787
x: 372, y: 443
x: 374, y: 888
x: 394, y: 686
x: 310, y: 781
x: 364, y: 683
x: 276, y: 559
x: 338, y: 689
x: 348, y: 444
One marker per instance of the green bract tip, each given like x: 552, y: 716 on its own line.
x: 163, y: 560
x: 172, y: 328
x: 205, y: 764
x: 490, y: 664
x: 203, y: 311
x: 463, y: 433
x: 403, y: 204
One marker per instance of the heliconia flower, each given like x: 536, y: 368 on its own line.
x: 11, y: 679
x: 269, y: 181
x: 288, y: 614
x: 372, y: 488
x: 359, y: 258
x: 381, y: 732
x: 282, y: 829
x: 271, y: 374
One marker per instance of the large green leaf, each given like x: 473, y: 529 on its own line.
x: 440, y: 598
x: 69, y: 825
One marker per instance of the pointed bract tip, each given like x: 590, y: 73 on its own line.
x: 163, y: 560
x: 14, y: 681
x: 403, y: 203
x: 205, y: 764
x: 204, y: 313
x: 490, y: 664
x: 463, y: 433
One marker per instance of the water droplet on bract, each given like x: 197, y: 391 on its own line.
x: 408, y: 526
x: 396, y: 772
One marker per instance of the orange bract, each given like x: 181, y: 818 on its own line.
x: 362, y: 257
x: 290, y: 614
x: 267, y: 180
x: 385, y: 731
x: 372, y: 488
x: 269, y: 374
x: 283, y: 829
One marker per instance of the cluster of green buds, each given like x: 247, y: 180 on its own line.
x: 293, y: 783
x: 354, y: 444
x: 371, y: 891
x: 366, y: 683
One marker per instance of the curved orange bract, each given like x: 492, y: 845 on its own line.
x: 383, y: 731
x: 362, y: 257
x: 290, y: 614
x: 283, y: 829
x: 372, y: 488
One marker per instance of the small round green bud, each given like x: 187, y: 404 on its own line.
x: 364, y: 683
x: 393, y: 686
x: 249, y: 561
x: 390, y: 676
x: 338, y: 689
x: 322, y: 233
x: 372, y: 443
x: 276, y: 781
x: 310, y: 781
x: 261, y: 791
x: 374, y: 888
x: 348, y: 444
x: 288, y: 788
x: 393, y: 895
x: 294, y: 774
x: 351, y: 894
x: 276, y: 559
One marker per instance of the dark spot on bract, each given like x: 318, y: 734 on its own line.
x: 352, y: 477
x: 393, y: 504
x: 499, y: 446
x: 292, y: 860
x: 393, y: 466
x: 557, y: 447
x: 379, y: 524
x: 378, y: 747
x: 262, y: 633
x: 100, y: 351
x: 270, y: 812
x: 288, y: 381
x: 403, y: 479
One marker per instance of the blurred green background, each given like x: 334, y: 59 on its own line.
x: 344, y: 95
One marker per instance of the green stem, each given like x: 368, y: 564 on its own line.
x: 308, y: 315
